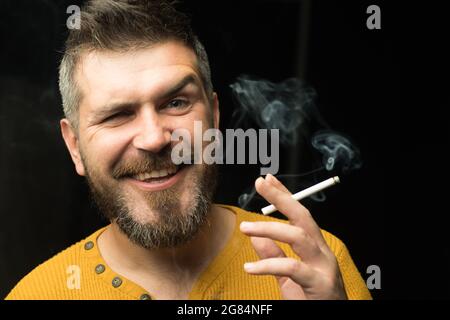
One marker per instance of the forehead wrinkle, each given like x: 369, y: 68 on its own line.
x: 143, y: 88
x: 157, y: 92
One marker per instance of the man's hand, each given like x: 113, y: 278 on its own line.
x: 317, y: 275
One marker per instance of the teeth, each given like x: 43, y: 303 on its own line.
x: 145, y: 176
x: 156, y: 173
x: 163, y: 173
x: 142, y: 176
x: 172, y: 170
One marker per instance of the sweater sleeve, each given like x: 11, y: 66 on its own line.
x: 355, y: 286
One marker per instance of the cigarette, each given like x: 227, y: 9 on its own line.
x: 305, y: 193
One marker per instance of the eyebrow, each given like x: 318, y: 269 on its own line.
x: 189, y: 79
x: 113, y: 107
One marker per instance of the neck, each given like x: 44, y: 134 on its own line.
x: 183, y: 262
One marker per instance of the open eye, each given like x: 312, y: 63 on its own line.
x: 178, y: 104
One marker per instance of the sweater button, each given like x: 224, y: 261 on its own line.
x: 99, y: 269
x: 145, y: 296
x: 116, y: 282
x: 88, y: 245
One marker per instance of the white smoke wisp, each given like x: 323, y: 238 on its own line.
x: 290, y: 107
x: 285, y: 105
x: 338, y: 152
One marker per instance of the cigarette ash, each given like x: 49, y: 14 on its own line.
x: 290, y: 106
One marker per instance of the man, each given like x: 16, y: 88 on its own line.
x: 132, y: 75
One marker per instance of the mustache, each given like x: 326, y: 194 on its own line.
x: 145, y: 162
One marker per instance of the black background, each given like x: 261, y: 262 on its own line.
x: 387, y: 89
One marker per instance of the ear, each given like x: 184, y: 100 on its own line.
x: 215, y: 110
x: 71, y: 139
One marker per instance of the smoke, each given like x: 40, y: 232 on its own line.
x: 284, y: 106
x: 337, y: 150
x: 290, y: 107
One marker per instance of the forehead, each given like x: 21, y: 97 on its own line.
x: 104, y: 76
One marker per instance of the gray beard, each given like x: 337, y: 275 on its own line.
x: 171, y: 227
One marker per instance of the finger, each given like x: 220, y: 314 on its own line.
x: 297, y: 214
x: 298, y: 271
x: 283, y: 201
x: 276, y: 183
x: 266, y: 248
x: 300, y: 241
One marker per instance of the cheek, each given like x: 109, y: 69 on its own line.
x: 196, y: 124
x: 199, y: 114
x: 105, y: 148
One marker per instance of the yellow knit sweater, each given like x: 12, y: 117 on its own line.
x: 80, y: 272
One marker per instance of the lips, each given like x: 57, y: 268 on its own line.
x: 157, y: 180
x: 156, y: 174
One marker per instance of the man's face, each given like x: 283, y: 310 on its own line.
x: 132, y: 102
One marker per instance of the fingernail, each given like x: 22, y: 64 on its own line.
x: 272, y: 178
x: 249, y: 266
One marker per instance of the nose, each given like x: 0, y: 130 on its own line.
x: 152, y: 134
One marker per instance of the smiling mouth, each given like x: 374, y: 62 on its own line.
x: 158, y: 179
x: 156, y: 176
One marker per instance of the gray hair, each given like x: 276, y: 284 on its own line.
x: 122, y: 26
